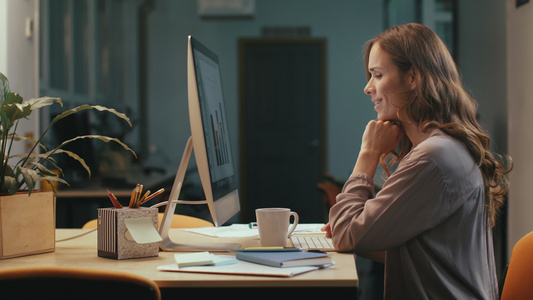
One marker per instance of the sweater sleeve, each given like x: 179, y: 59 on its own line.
x: 412, y: 200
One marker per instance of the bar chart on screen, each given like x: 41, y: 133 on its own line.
x: 220, y: 139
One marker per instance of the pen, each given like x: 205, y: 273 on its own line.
x: 269, y: 249
x: 252, y: 225
x: 266, y: 248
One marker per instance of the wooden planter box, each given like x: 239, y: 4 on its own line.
x: 27, y: 224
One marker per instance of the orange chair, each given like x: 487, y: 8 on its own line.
x: 518, y: 281
x: 61, y: 283
x: 329, y: 192
x: 178, y: 221
x: 329, y: 189
x: 183, y: 221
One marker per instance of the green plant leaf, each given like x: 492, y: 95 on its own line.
x: 74, y: 156
x: 31, y: 177
x: 13, y: 109
x: 36, y: 103
x: 4, y: 88
x: 53, y: 178
x: 44, y: 170
x: 100, y: 137
x: 41, y: 156
x: 13, y: 98
x: 11, y: 184
x: 87, y: 106
x: 77, y: 157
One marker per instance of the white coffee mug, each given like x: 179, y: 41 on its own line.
x: 273, y: 224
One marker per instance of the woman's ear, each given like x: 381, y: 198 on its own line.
x: 412, y: 78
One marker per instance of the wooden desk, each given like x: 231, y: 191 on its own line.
x: 82, y: 252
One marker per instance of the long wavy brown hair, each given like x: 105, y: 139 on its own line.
x: 441, y: 101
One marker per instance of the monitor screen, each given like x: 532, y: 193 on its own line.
x: 214, y: 120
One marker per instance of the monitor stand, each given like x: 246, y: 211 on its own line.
x: 167, y: 244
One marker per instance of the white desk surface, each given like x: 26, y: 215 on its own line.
x: 82, y: 252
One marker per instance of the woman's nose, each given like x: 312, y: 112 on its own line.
x: 369, y: 89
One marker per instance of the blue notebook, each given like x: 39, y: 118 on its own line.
x: 286, y: 259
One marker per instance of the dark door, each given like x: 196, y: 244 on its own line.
x: 282, y: 125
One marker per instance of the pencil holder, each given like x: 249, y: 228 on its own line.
x: 116, y: 240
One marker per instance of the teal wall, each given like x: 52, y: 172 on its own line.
x: 345, y: 24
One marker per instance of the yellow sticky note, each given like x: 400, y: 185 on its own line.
x: 142, y: 230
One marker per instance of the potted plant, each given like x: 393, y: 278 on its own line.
x: 27, y: 218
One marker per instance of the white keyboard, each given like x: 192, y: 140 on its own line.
x: 312, y: 242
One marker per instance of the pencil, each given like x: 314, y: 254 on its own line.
x: 138, y: 196
x: 142, y: 200
x: 153, y: 195
x: 133, y: 196
x: 113, y: 199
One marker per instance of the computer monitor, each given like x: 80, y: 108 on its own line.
x: 211, y: 144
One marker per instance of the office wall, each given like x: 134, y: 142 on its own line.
x: 496, y: 58
x: 482, y: 62
x: 346, y: 25
x: 520, y: 101
x: 3, y: 35
x: 19, y: 55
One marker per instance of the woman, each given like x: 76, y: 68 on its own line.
x: 431, y: 222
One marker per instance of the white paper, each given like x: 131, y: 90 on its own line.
x: 244, y: 230
x: 241, y: 268
x: 142, y: 230
x: 235, y: 230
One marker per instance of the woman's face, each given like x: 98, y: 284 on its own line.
x: 388, y: 86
